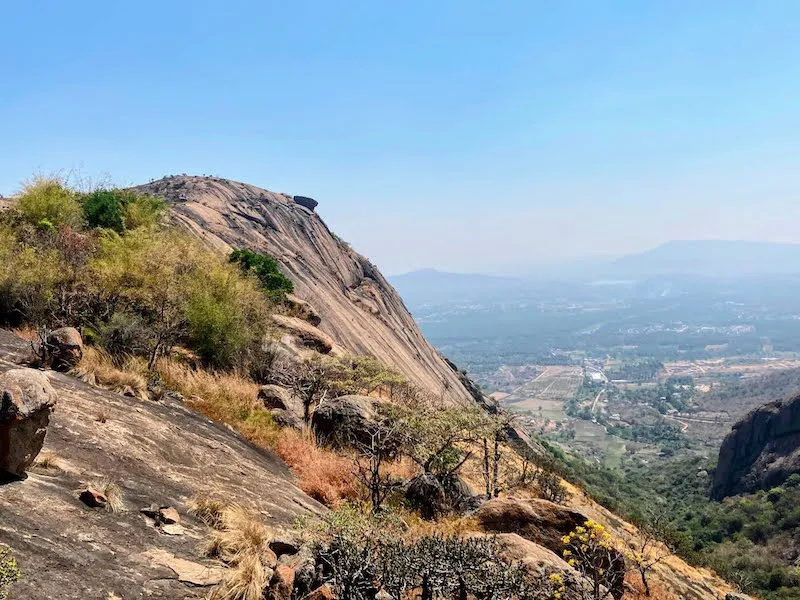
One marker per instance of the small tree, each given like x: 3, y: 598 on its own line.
x: 370, y: 461
x: 647, y: 551
x: 307, y: 379
x: 432, y: 437
x: 592, y: 551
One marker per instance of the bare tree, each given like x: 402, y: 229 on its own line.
x: 648, y: 550
x: 371, y: 459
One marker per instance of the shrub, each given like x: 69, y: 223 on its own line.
x: 121, y: 210
x: 9, y: 571
x: 362, y: 555
x: 265, y: 269
x: 104, y: 209
x: 226, y: 317
x: 48, y: 199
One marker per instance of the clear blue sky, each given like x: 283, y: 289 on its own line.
x: 470, y: 136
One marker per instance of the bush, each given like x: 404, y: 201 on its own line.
x: 47, y: 200
x: 121, y: 210
x: 227, y: 317
x: 104, y: 209
x: 265, y: 269
x: 361, y: 555
x: 9, y: 571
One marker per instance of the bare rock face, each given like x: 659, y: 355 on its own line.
x: 357, y: 307
x: 761, y: 451
x: 26, y: 401
x: 66, y: 348
x: 303, y: 309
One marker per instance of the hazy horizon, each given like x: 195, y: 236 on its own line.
x: 458, y: 136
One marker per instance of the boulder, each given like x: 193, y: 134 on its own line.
x: 65, y: 347
x: 426, y: 494
x: 303, y: 309
x: 460, y: 495
x: 282, y: 583
x: 275, y: 396
x: 305, y: 571
x: 306, y: 334
x: 284, y: 418
x: 26, y: 402
x: 346, y: 420
x: 543, y: 523
x: 306, y: 202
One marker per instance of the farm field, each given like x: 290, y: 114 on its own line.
x: 546, y: 393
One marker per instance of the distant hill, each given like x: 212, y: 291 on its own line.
x: 712, y: 258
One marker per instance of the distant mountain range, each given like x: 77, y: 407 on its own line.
x: 712, y: 259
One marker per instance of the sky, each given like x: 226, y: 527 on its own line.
x: 466, y: 136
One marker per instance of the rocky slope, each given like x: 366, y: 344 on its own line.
x: 359, y: 309
x: 761, y: 451
x: 159, y: 453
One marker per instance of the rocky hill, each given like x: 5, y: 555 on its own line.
x: 761, y: 451
x: 359, y: 309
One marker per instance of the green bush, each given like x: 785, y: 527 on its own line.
x: 121, y: 210
x: 48, y: 199
x: 265, y: 269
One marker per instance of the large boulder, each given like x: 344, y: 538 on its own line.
x: 543, y: 523
x: 460, y: 495
x: 65, y: 347
x: 761, y: 451
x: 346, y: 420
x: 426, y: 494
x: 26, y: 402
x: 275, y: 396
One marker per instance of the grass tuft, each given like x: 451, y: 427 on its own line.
x: 110, y: 490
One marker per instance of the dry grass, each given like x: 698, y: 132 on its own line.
x: 97, y: 367
x: 239, y: 533
x: 208, y: 510
x: 323, y: 474
x: 47, y: 460
x: 240, y: 539
x: 110, y: 490
x: 635, y: 589
x: 245, y: 581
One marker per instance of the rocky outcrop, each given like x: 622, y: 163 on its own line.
x: 65, y: 347
x: 158, y: 453
x: 543, y: 523
x: 358, y: 308
x: 761, y: 451
x: 346, y: 420
x: 26, y: 402
x: 306, y: 335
